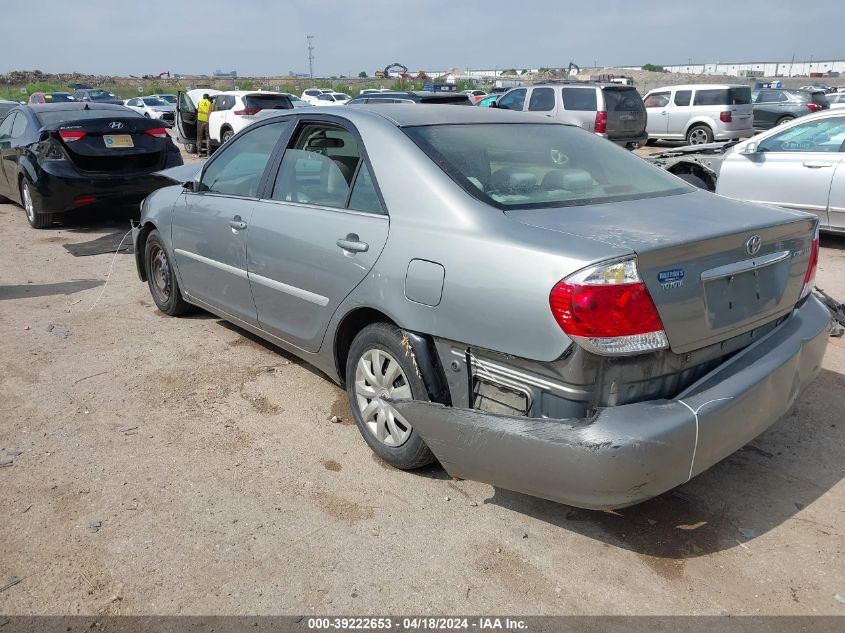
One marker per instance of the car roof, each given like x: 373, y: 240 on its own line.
x: 243, y: 93
x: 699, y: 87
x: 76, y: 105
x: 407, y: 114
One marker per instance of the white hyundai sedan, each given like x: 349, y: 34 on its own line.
x: 800, y: 165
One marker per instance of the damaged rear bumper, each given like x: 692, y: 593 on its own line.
x: 630, y: 453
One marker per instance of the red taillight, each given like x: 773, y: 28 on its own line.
x: 608, y: 310
x: 601, y: 123
x: 810, y: 275
x: 725, y: 117
x: 158, y: 132
x: 247, y: 111
x: 71, y: 135
x: 85, y: 200
x: 814, y: 107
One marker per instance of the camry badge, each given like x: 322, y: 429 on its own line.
x: 752, y: 244
x: 115, y: 125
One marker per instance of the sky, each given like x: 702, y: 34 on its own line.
x: 263, y: 37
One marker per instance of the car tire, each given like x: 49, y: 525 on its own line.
x: 651, y: 141
x: 784, y: 120
x: 161, y: 277
x: 694, y: 180
x: 387, y: 433
x: 699, y: 135
x: 191, y: 148
x: 37, y: 219
x: 146, y: 114
x: 227, y: 134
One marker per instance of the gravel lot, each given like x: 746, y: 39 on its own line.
x: 153, y: 465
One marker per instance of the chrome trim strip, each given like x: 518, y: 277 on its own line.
x: 299, y: 293
x: 744, y: 266
x: 238, y: 272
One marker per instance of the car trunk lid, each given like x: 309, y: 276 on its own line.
x: 626, y: 115
x: 113, y: 144
x: 715, y: 268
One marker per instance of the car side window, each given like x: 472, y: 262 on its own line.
x: 542, y: 100
x: 325, y: 97
x: 580, y: 99
x: 682, y: 97
x: 237, y: 170
x: 20, y: 126
x: 657, y: 100
x: 318, y: 168
x: 364, y: 196
x: 821, y: 135
x: 514, y: 100
x: 6, y: 125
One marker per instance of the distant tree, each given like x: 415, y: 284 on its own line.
x: 509, y: 71
x: 363, y: 74
x: 543, y: 70
x: 654, y: 68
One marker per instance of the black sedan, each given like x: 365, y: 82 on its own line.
x: 60, y: 157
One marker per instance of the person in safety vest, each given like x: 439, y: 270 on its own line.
x: 203, y: 110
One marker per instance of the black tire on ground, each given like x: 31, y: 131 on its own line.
x: 651, y: 141
x: 699, y: 134
x: 161, y: 278
x: 413, y: 453
x: 784, y: 119
x: 37, y: 219
x: 695, y: 181
x: 227, y: 134
x: 191, y: 148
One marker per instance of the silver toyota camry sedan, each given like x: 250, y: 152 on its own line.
x: 519, y: 299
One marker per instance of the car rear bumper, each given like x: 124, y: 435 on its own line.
x: 61, y: 187
x: 627, y: 140
x: 726, y: 135
x: 627, y: 454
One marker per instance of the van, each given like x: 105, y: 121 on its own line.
x: 610, y: 110
x: 699, y: 113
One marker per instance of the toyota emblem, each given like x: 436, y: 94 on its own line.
x: 115, y: 125
x: 752, y: 244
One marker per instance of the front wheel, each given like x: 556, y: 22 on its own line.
x: 699, y: 135
x: 379, y: 368
x: 36, y: 218
x: 161, y: 278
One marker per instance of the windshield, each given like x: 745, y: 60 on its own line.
x: 524, y: 166
x: 57, y: 116
x: 168, y: 98
x: 340, y: 97
x: 154, y: 101
x: 94, y: 95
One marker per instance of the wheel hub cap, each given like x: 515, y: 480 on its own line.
x: 378, y: 378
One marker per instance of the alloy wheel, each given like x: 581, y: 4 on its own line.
x: 379, y: 376
x: 28, y: 205
x: 698, y: 136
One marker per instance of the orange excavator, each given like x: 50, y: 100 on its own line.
x: 402, y: 70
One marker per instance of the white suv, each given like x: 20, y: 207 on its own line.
x: 700, y: 113
x: 234, y: 110
x: 311, y: 94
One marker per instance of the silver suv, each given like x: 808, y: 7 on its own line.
x: 700, y: 113
x: 610, y: 110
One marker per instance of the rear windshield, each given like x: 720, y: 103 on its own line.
x: 58, y: 97
x: 154, y: 101
x: 723, y: 96
x: 820, y: 98
x: 525, y: 166
x: 625, y: 100
x: 456, y: 100
x: 57, y: 116
x: 583, y: 99
x: 268, y: 102
x: 94, y: 95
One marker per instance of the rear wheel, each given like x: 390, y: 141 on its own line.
x: 227, y: 134
x: 378, y: 368
x: 699, y: 134
x: 36, y: 218
x: 784, y: 120
x: 161, y: 278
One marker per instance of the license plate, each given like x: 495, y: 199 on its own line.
x: 118, y: 140
x: 740, y: 297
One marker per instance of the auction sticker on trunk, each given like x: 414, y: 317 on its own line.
x: 671, y: 278
x: 118, y: 140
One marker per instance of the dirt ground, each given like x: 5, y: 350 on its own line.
x: 155, y: 465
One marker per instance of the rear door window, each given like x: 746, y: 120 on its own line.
x: 20, y: 127
x: 542, y: 100
x: 722, y: 96
x: 682, y: 97
x: 579, y: 99
x: 364, y: 196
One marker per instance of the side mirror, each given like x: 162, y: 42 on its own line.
x: 189, y: 186
x: 750, y: 148
x: 495, y: 104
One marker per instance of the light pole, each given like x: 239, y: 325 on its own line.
x: 310, y: 39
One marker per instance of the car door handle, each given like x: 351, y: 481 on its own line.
x: 816, y: 164
x: 237, y: 224
x: 353, y: 244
